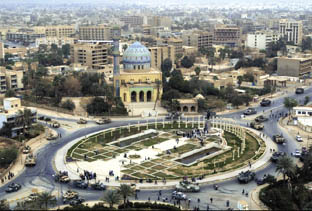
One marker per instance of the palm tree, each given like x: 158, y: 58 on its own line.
x: 289, y: 103
x: 111, y: 197
x: 125, y: 191
x: 158, y: 83
x: 285, y: 166
x: 4, y: 205
x: 46, y: 199
x: 23, y: 118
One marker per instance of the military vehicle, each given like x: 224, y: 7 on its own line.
x: 245, y: 177
x: 30, y: 160
x: 61, y: 177
x: 70, y: 195
x: 265, y: 179
x: 279, y: 139
x: 26, y: 149
x: 135, y: 188
x: 250, y: 111
x: 80, y: 184
x: 186, y: 186
x: 178, y: 195
x: 75, y: 202
x: 82, y: 121
x: 265, y: 102
x: 261, y: 118
x: 276, y: 156
x: 299, y: 91
x: 13, y: 187
x: 52, y: 136
x: 32, y: 197
x: 102, y: 121
x: 56, y: 124
x: 98, y: 186
x: 257, y: 125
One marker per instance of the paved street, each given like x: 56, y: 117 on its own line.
x: 40, y: 176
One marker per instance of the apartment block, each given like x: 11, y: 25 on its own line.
x: 1, y: 50
x: 100, y: 32
x: 198, y: 39
x: 88, y: 54
x: 159, y: 21
x: 227, y: 35
x: 293, y: 67
x: 261, y: 39
x: 291, y: 30
x: 10, y: 79
x: 132, y: 20
x: 177, y: 43
x: 28, y: 36
x: 60, y: 31
x: 160, y: 53
x: 59, y: 41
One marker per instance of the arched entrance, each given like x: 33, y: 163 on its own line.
x: 193, y: 109
x: 179, y: 108
x: 185, y: 109
x: 141, y: 96
x: 149, y: 96
x: 133, y: 96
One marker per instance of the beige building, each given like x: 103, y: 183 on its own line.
x: 188, y: 105
x: 132, y: 20
x: 159, y: 21
x: 10, y: 79
x: 60, y: 31
x: 198, y: 39
x: 294, y: 67
x: 291, y: 30
x: 227, y: 35
x: 1, y: 50
x: 59, y: 41
x: 160, y: 53
x: 177, y: 43
x: 92, y: 55
x: 100, y: 32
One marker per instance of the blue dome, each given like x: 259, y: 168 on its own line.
x: 136, y: 57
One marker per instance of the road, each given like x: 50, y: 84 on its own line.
x: 40, y: 176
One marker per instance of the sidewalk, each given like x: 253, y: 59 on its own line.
x: 60, y: 165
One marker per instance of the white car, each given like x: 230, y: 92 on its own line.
x: 296, y: 153
x: 299, y: 138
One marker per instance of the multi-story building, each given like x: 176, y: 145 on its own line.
x: 60, y: 31
x: 159, y: 21
x: 1, y: 50
x: 294, y: 67
x: 100, y: 32
x: 160, y: 53
x: 261, y: 39
x: 198, y: 39
x: 227, y: 35
x: 177, y: 43
x: 132, y: 20
x: 23, y: 35
x: 10, y: 79
x: 88, y: 54
x: 59, y: 41
x: 291, y: 30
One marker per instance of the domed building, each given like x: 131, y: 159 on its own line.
x: 137, y: 81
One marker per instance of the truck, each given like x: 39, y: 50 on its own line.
x: 186, y: 186
x: 257, y: 125
x: 30, y: 160
x: 279, y: 139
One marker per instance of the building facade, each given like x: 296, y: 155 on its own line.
x: 1, y: 50
x: 60, y: 31
x: 100, y: 32
x: 139, y: 82
x: 160, y: 53
x: 88, y: 54
x: 177, y: 43
x: 227, y: 35
x: 294, y: 67
x: 198, y: 39
x: 132, y: 20
x: 291, y: 30
x: 261, y: 39
x: 55, y: 40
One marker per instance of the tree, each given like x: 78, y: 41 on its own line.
x: 166, y: 67
x: 10, y: 93
x: 197, y: 71
x: 111, y: 197
x: 72, y: 86
x: 4, y: 205
x: 45, y: 199
x: 289, y: 103
x: 186, y: 62
x: 239, y: 80
x: 285, y: 166
x: 24, y: 118
x: 158, y: 84
x: 68, y: 104
x: 125, y: 191
x: 222, y: 53
x: 306, y: 100
x: 175, y: 105
x: 66, y: 50
x: 8, y: 155
x: 98, y: 106
x: 124, y: 47
x: 202, y: 105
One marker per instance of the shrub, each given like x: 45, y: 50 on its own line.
x: 69, y: 105
x: 7, y: 156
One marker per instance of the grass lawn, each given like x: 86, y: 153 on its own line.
x: 127, y: 171
x: 80, y: 151
x: 185, y: 148
x: 159, y: 167
x: 153, y: 141
x: 147, y: 164
x: 77, y: 156
x: 137, y: 168
x: 110, y: 154
x: 142, y: 176
x: 99, y: 157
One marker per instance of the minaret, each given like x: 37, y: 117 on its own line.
x: 116, y: 54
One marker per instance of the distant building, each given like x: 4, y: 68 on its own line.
x: 261, y: 39
x: 188, y: 105
x: 160, y: 53
x: 159, y: 21
x: 10, y: 79
x: 100, y: 32
x: 59, y: 41
x: 88, y: 54
x: 291, y: 30
x: 28, y: 36
x: 1, y: 50
x: 132, y: 20
x: 294, y: 67
x: 227, y: 35
x: 60, y: 31
x: 198, y: 39
x: 177, y: 43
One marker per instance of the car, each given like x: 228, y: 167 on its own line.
x: 299, y: 91
x: 103, y: 121
x: 250, y: 111
x: 41, y: 118
x: 82, y: 121
x: 98, y: 186
x: 265, y: 102
x: 296, y: 153
x: 80, y: 184
x: 245, y: 177
x: 256, y: 125
x: 279, y: 139
x: 265, y: 179
x: 261, y: 118
x: 13, y: 187
x: 26, y: 149
x: 178, y: 195
x: 276, y: 156
x: 299, y: 138
x: 179, y: 133
x: 75, y: 202
x: 186, y: 186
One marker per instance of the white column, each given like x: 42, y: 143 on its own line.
x: 147, y: 124
x: 156, y: 123
x: 179, y: 124
x: 163, y: 122
x: 129, y: 127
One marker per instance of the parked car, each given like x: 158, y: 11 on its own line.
x: 32, y: 197
x: 276, y: 156
x: 82, y: 121
x: 178, y: 195
x: 261, y: 118
x: 299, y: 138
x: 245, y: 177
x: 13, y: 187
x: 296, y: 153
x: 299, y: 91
x: 250, y: 111
x: 265, y: 102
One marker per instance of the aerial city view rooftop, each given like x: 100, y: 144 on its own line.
x: 155, y: 105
